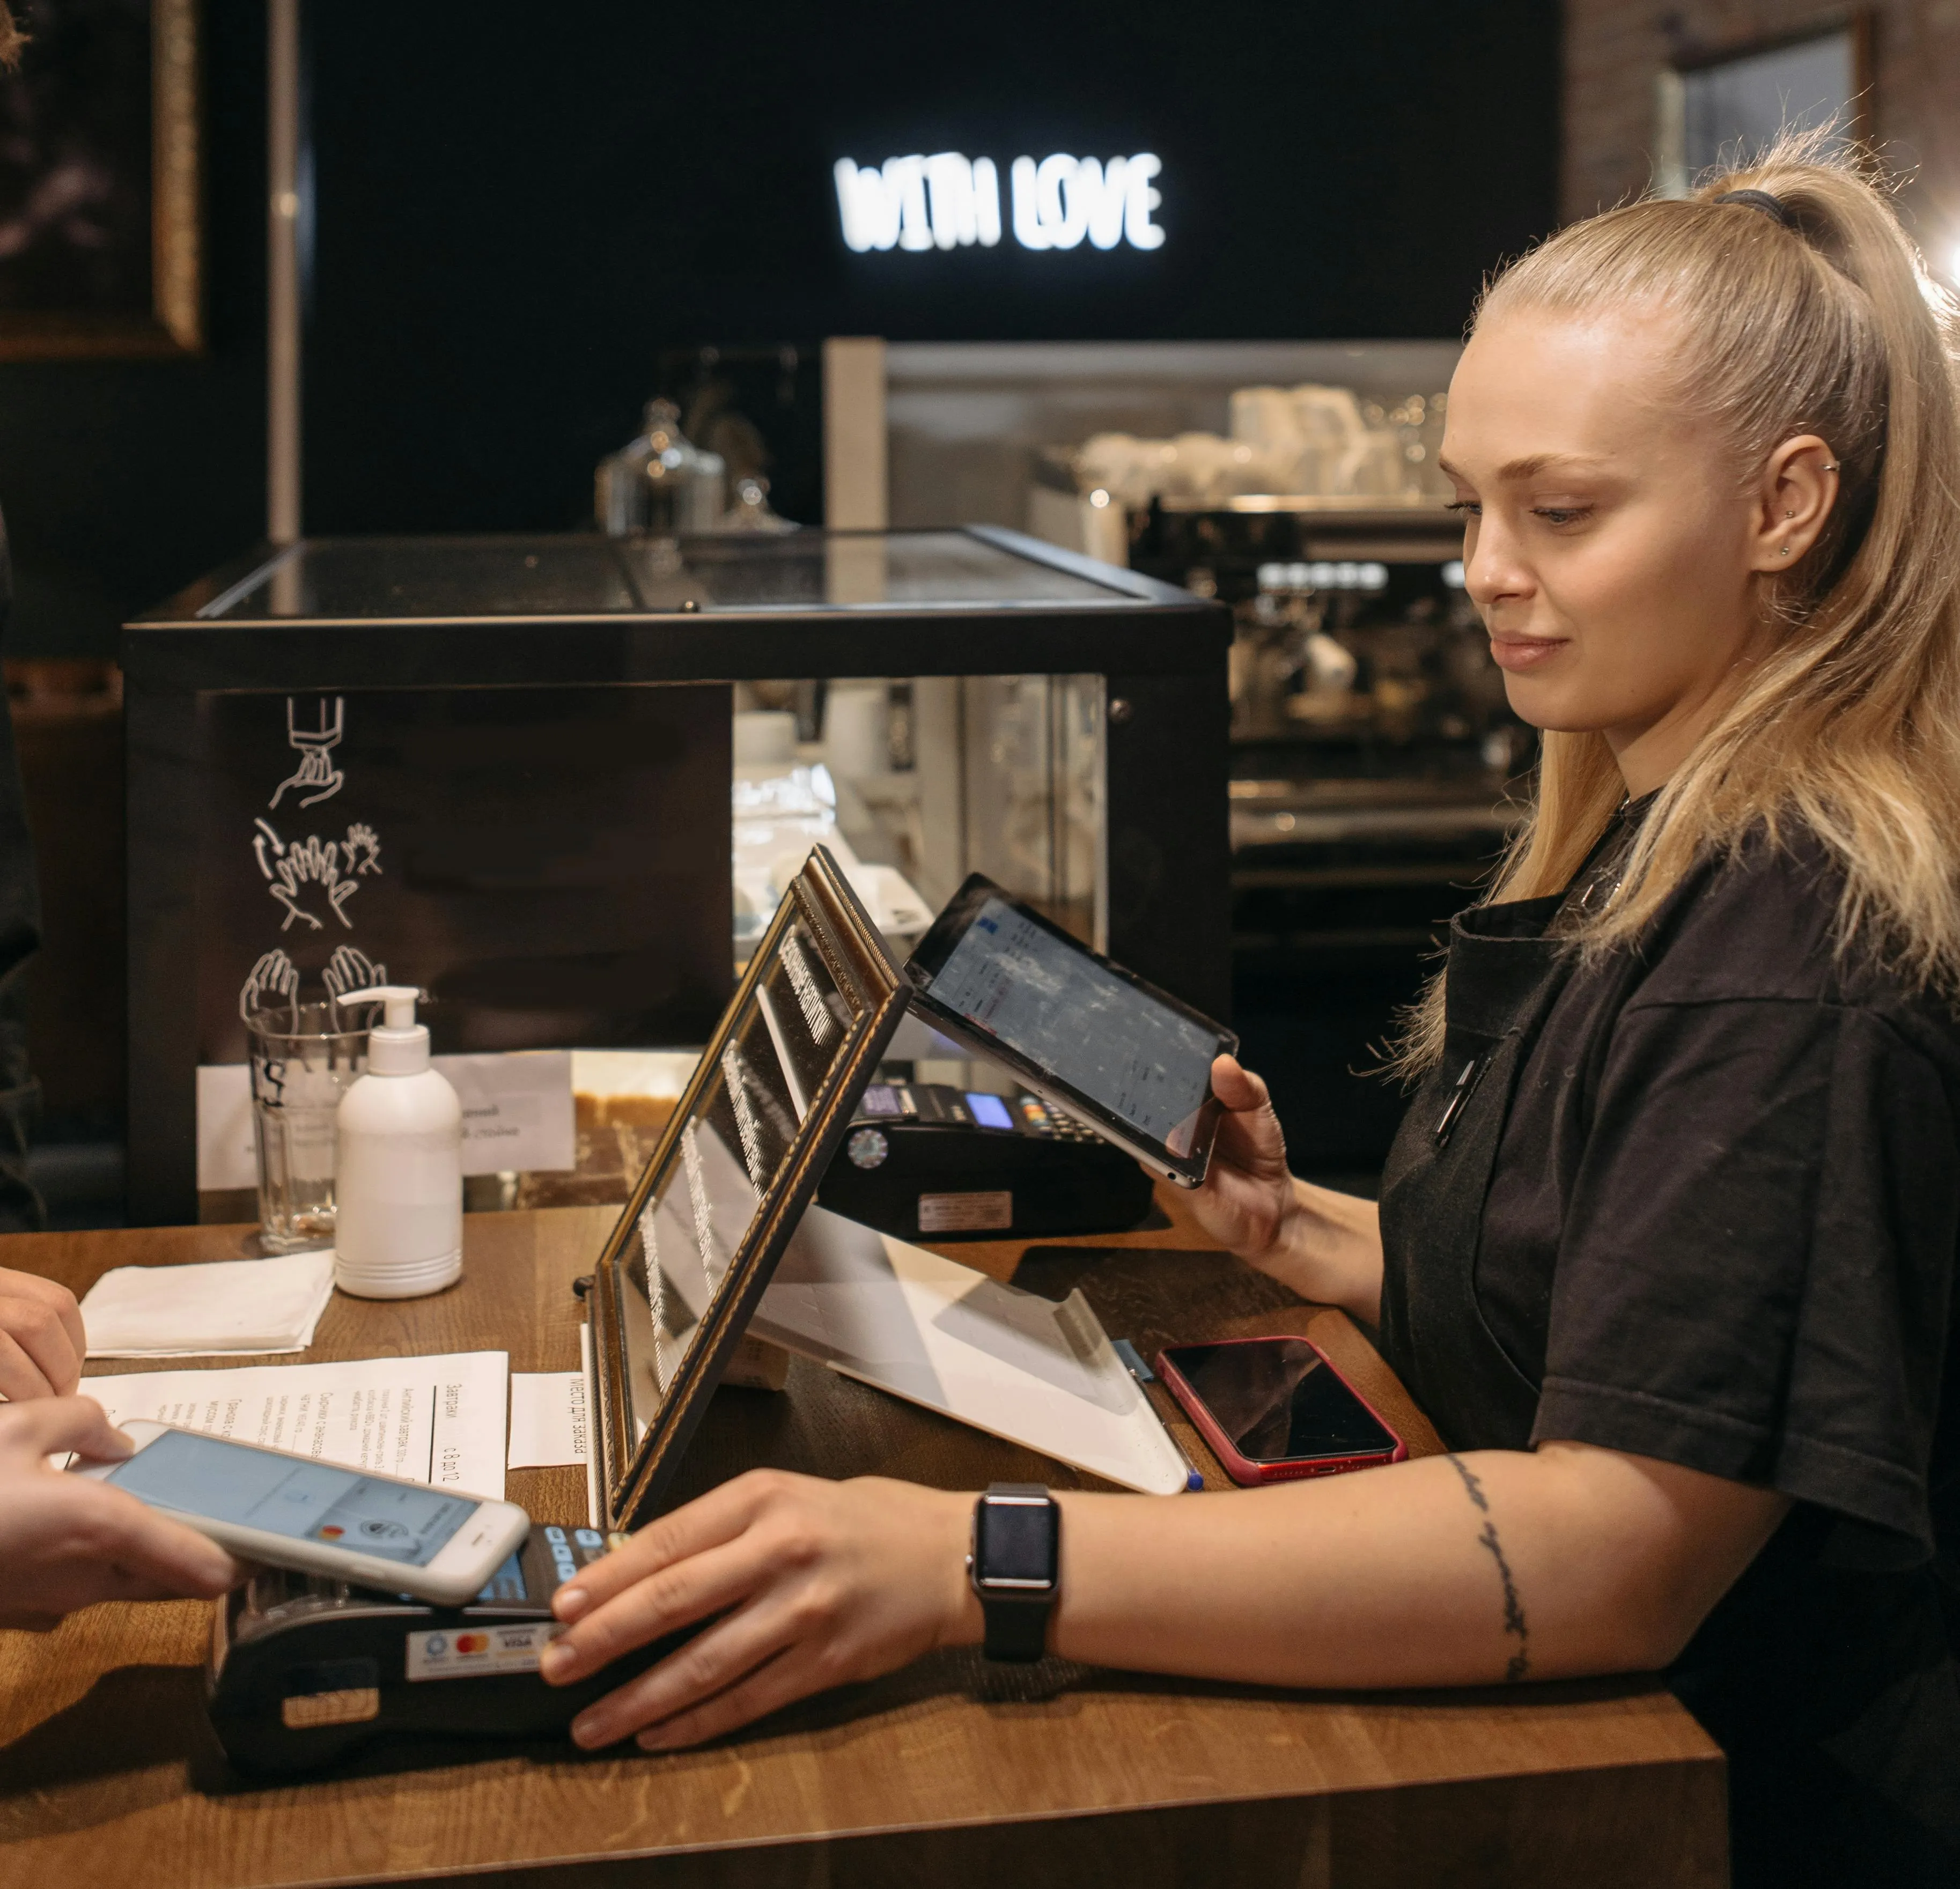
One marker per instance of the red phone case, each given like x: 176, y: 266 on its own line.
x: 1241, y: 1469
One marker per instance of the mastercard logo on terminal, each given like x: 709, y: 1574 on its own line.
x: 332, y: 1531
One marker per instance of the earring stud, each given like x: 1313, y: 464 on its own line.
x: 1784, y: 552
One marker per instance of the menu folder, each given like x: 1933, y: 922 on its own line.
x: 727, y: 1194
x: 682, y: 1272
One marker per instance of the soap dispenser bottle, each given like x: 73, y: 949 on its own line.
x: 398, y: 1179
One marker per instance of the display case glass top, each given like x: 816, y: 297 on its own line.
x: 590, y: 763
x: 559, y: 577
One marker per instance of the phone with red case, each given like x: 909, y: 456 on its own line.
x: 1276, y: 1410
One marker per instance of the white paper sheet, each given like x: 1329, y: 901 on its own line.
x: 592, y: 1506
x: 434, y: 1419
x: 1007, y: 1362
x: 517, y: 1114
x: 255, y: 1306
x: 517, y: 1110
x: 548, y: 1419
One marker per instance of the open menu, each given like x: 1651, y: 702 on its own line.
x: 435, y: 1420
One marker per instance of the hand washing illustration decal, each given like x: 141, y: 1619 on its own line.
x: 313, y: 878
x: 316, y: 747
x: 273, y: 981
x: 550, y: 864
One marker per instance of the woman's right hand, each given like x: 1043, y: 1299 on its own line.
x: 1326, y: 1246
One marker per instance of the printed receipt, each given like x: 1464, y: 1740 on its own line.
x: 548, y: 1423
x: 435, y: 1420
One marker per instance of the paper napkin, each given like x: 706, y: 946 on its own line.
x: 229, y: 1306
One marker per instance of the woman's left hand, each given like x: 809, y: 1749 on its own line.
x: 816, y: 1584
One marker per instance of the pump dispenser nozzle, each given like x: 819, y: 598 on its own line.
x: 399, y: 1046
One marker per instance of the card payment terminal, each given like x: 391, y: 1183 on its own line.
x: 305, y: 1671
x: 927, y: 1160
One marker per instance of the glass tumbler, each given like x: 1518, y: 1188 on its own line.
x: 304, y: 1058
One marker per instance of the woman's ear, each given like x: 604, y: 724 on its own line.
x: 1799, y: 486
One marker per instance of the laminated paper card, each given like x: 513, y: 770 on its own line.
x: 518, y: 1117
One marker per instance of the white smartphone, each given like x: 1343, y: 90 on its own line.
x: 292, y: 1512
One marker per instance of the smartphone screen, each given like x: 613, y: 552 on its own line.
x: 1277, y: 1401
x: 285, y: 1495
x: 1149, y: 1065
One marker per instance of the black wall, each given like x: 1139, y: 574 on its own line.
x: 122, y: 480
x: 518, y: 209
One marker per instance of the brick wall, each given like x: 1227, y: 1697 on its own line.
x: 1615, y: 48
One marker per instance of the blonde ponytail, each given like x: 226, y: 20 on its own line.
x: 1850, y: 725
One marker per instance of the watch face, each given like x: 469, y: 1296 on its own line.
x: 1016, y: 1542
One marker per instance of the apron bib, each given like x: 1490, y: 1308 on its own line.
x: 1504, y: 975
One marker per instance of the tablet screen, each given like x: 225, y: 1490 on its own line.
x: 1148, y: 1064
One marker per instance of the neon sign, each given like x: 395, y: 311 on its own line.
x: 948, y: 201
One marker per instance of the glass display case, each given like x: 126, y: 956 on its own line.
x: 561, y: 782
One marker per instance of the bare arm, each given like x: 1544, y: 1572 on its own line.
x: 1326, y: 1246
x: 1453, y: 1570
x: 1495, y: 1566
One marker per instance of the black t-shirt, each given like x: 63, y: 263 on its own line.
x: 1722, y: 1231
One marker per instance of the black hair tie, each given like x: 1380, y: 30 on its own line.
x: 1760, y: 200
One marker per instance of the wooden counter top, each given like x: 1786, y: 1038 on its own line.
x: 944, y: 1774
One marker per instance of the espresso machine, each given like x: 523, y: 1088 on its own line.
x: 1375, y: 771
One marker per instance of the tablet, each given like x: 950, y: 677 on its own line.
x: 1118, y: 1054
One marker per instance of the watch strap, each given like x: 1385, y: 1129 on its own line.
x: 1016, y: 1629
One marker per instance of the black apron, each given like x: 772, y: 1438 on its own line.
x: 1504, y: 976
x: 1797, y: 1732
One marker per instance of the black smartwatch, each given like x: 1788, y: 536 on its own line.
x: 1016, y: 1566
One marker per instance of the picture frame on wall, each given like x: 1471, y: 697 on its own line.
x: 1716, y: 106
x: 101, y: 158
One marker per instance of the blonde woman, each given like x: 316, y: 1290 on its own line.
x: 1666, y: 1245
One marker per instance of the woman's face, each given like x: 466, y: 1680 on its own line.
x: 1608, y: 543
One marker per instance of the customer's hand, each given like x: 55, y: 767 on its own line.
x: 41, y: 1343
x: 815, y: 1583
x: 67, y: 1542
x: 1249, y: 1193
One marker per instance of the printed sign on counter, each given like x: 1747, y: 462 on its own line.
x: 517, y: 1111
x: 517, y: 1117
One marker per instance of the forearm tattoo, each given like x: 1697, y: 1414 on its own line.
x: 1519, y: 1665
